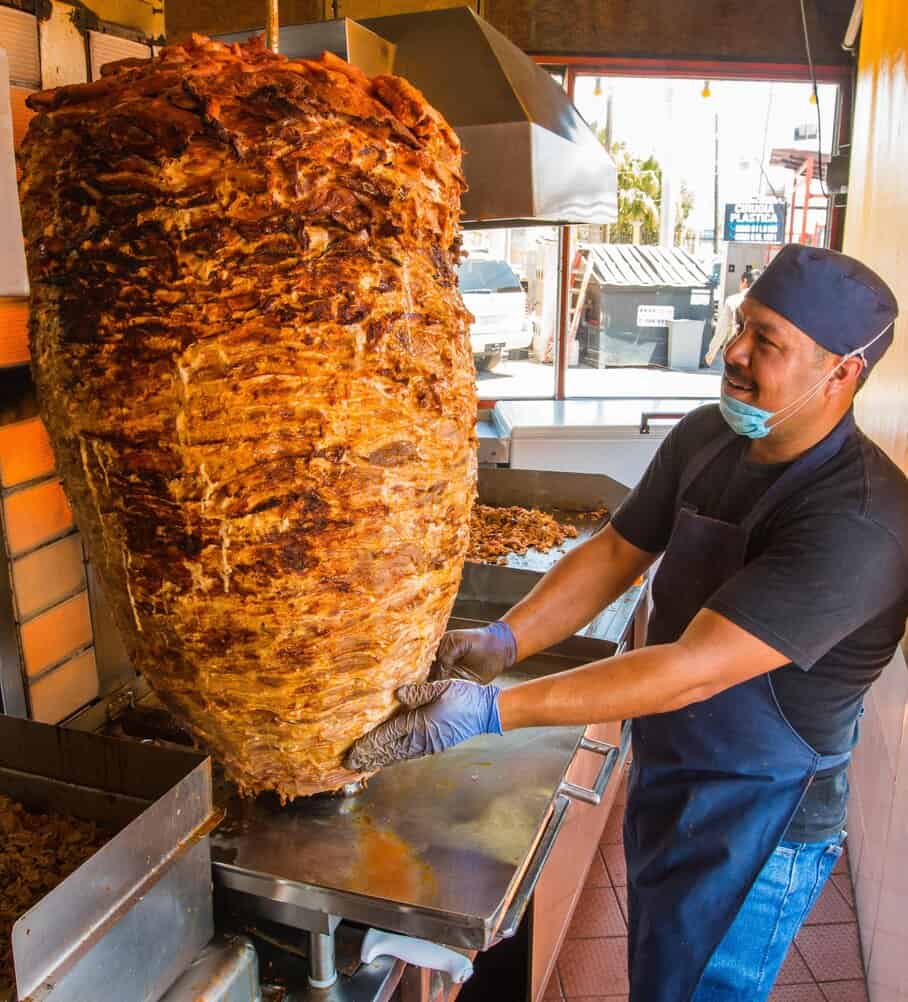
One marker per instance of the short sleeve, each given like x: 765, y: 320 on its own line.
x: 819, y: 579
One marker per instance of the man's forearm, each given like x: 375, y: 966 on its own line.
x: 578, y: 587
x: 652, y: 680
x: 712, y: 655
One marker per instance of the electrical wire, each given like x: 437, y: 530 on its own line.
x: 816, y: 98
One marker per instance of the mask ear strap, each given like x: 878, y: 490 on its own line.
x: 807, y: 396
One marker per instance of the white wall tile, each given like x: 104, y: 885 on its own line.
x: 887, y: 975
x: 890, y: 694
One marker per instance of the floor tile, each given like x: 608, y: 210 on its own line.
x: 794, y: 971
x: 613, y: 827
x: 594, y: 967
x: 597, y: 875
x: 614, y: 861
x: 830, y: 907
x: 553, y: 989
x: 844, y: 991
x: 843, y: 883
x: 832, y: 952
x: 597, y: 914
x: 796, y: 993
x: 621, y: 894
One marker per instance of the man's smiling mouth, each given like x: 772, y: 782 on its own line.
x: 737, y: 383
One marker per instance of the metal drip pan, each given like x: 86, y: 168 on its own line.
x: 127, y: 922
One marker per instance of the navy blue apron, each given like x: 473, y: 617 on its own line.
x: 713, y: 786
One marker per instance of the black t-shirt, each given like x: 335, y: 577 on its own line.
x: 825, y: 583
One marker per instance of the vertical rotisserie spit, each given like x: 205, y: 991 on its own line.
x: 254, y: 364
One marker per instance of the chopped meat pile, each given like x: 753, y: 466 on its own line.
x: 37, y: 851
x: 497, y: 532
x: 255, y: 368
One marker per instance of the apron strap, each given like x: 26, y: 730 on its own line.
x: 701, y: 460
x: 800, y: 470
x: 825, y: 762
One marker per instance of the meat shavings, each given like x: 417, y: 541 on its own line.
x: 495, y: 533
x: 37, y: 852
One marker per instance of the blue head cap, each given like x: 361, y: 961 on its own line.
x: 837, y: 301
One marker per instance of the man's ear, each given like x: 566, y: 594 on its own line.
x: 846, y: 375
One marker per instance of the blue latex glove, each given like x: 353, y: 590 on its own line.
x: 478, y: 655
x: 438, y: 716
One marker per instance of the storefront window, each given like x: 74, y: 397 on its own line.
x: 713, y: 177
x: 509, y: 282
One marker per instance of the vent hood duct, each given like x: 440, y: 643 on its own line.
x: 529, y: 156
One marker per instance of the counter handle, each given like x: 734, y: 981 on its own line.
x: 595, y: 793
x: 514, y: 915
x: 648, y: 416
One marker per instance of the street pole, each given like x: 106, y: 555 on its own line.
x: 716, y: 187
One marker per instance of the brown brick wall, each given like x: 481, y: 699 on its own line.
x: 762, y: 30
x: 212, y: 17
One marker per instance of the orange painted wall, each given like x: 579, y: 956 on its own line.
x: 876, y: 226
x: 876, y: 230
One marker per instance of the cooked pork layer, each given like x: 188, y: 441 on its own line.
x: 255, y: 368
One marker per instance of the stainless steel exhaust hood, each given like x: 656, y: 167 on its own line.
x: 529, y: 156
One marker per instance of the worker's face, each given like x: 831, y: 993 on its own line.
x: 770, y: 363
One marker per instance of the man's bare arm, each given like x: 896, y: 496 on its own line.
x: 712, y: 655
x: 578, y: 587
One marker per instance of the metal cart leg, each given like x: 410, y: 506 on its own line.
x: 322, y: 969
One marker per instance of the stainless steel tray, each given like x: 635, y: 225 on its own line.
x: 129, y: 919
x: 570, y: 497
x: 487, y: 591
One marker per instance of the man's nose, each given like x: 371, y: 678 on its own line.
x: 737, y: 351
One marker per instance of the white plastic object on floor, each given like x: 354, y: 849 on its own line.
x: 419, y: 952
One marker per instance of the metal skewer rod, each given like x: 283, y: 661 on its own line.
x: 272, y: 25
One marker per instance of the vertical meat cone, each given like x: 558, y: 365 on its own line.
x: 255, y: 368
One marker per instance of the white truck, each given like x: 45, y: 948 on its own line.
x: 492, y: 292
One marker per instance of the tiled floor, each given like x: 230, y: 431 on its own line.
x: 824, y: 965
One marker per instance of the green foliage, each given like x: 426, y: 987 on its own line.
x: 640, y: 196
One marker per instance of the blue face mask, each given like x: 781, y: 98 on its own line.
x: 753, y: 422
x: 744, y: 419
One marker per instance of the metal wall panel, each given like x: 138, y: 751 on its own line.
x: 19, y: 34
x: 109, y: 48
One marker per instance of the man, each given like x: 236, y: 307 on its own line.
x: 781, y: 596
x: 726, y: 323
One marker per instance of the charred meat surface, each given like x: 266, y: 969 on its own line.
x: 254, y: 364
x: 37, y: 851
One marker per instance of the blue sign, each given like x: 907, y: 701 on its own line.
x: 755, y: 222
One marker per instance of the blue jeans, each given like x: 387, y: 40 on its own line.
x: 746, y: 962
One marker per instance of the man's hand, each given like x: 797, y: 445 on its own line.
x: 438, y: 715
x: 479, y: 655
